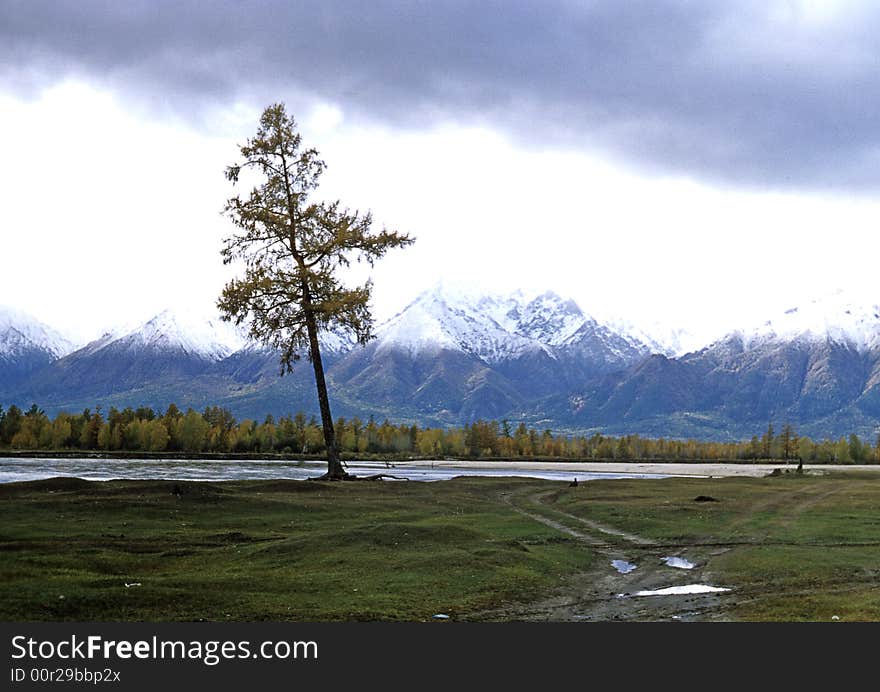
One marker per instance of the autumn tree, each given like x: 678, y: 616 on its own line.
x: 90, y: 429
x: 767, y: 442
x: 292, y: 248
x: 788, y: 440
x: 10, y: 424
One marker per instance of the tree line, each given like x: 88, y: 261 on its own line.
x: 216, y: 430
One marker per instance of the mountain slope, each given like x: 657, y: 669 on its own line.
x: 170, y: 350
x: 26, y: 346
x: 496, y: 329
x: 439, y: 320
x: 452, y: 357
x: 813, y: 366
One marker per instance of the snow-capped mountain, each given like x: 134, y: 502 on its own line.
x: 838, y: 317
x: 21, y: 333
x: 816, y: 366
x: 660, y: 337
x: 453, y: 356
x: 545, y: 318
x: 171, y: 352
x: 443, y: 319
x: 497, y: 329
x: 187, y: 357
x: 26, y: 347
x: 190, y: 334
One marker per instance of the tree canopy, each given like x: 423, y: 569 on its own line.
x: 292, y: 247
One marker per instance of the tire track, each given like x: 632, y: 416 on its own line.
x: 591, y: 524
x: 602, y: 593
x: 584, y: 538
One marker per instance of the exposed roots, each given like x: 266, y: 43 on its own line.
x: 336, y: 477
x: 352, y: 477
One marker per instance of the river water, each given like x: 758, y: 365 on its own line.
x: 28, y: 469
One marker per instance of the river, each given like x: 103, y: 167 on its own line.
x: 30, y: 469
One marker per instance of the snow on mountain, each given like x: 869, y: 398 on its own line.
x: 206, y: 337
x: 838, y: 317
x: 196, y: 334
x: 495, y: 328
x: 492, y: 327
x: 442, y: 318
x: 20, y: 332
x: 660, y: 337
x: 336, y: 341
x: 549, y: 319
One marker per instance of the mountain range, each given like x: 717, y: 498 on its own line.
x: 451, y: 357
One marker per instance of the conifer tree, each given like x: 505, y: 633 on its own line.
x: 767, y: 441
x: 788, y: 439
x: 291, y: 248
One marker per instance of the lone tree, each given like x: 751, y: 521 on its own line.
x: 292, y: 249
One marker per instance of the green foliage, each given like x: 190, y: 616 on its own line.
x: 10, y: 424
x: 29, y: 430
x: 291, y: 248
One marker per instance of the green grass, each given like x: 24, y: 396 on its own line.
x: 792, y: 547
x: 282, y: 550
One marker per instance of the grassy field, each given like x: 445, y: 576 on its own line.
x: 790, y: 548
x: 795, y: 548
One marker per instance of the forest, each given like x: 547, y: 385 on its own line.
x: 216, y: 430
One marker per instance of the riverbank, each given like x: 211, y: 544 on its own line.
x: 696, y: 469
x: 267, y: 467
x: 788, y: 547
x: 216, y: 470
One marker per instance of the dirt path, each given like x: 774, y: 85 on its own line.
x: 603, y: 593
x: 585, y: 538
x: 541, y: 499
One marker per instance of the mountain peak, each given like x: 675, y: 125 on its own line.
x: 20, y: 331
x: 840, y: 316
x: 196, y: 333
x: 202, y: 335
x: 498, y: 328
x: 447, y: 318
x: 550, y: 319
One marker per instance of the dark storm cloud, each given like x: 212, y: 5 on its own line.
x: 751, y: 92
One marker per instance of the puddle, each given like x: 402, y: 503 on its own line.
x: 623, y: 566
x: 678, y: 562
x: 677, y: 591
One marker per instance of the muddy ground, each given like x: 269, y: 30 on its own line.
x: 604, y: 593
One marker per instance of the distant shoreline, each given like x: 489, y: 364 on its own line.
x: 117, y: 454
x: 557, y: 462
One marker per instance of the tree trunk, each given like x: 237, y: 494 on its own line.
x: 334, y: 466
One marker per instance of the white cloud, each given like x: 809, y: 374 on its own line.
x: 106, y: 215
x: 672, y: 249
x: 109, y: 216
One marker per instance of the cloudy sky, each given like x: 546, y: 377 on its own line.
x: 702, y: 164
